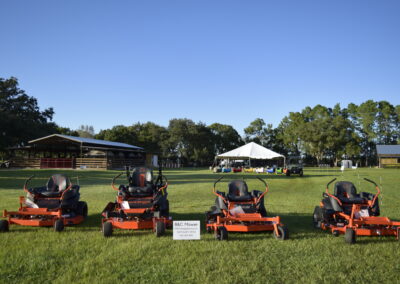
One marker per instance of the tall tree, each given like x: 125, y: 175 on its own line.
x: 225, y: 138
x: 66, y: 131
x: 150, y: 136
x: 20, y: 116
x: 118, y: 133
x: 260, y: 132
x: 387, y: 123
x: 86, y: 131
x: 365, y: 123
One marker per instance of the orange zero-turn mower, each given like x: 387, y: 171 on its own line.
x: 55, y: 204
x: 241, y: 211
x: 346, y: 212
x: 142, y: 204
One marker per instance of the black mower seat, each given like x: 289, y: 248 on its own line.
x: 238, y: 191
x: 141, y: 182
x: 141, y: 191
x: 346, y: 192
x: 55, y: 186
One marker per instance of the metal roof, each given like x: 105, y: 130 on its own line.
x: 388, y: 149
x: 89, y: 141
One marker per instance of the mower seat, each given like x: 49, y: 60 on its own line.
x: 238, y: 191
x: 49, y: 196
x: 141, y: 183
x: 346, y: 192
x: 141, y: 191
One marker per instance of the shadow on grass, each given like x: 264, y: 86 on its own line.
x: 14, y: 179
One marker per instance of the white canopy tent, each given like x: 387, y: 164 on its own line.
x: 251, y: 151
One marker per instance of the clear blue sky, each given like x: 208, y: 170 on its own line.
x: 104, y: 63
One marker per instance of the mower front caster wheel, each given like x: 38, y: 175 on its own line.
x: 58, y: 225
x: 221, y: 234
x: 4, y: 226
x: 283, y: 233
x: 159, y: 229
x: 107, y: 229
x: 350, y: 236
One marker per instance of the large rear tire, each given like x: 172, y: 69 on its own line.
x: 59, y: 225
x: 350, y: 236
x: 221, y: 234
x: 318, y: 217
x: 82, y: 209
x: 283, y: 233
x: 4, y: 226
x: 159, y: 229
x: 165, y: 212
x: 107, y: 229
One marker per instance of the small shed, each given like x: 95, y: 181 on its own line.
x: 64, y: 151
x: 388, y: 155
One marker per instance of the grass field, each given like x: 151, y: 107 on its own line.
x: 81, y: 254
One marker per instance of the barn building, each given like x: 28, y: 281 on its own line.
x: 388, y: 155
x: 63, y: 151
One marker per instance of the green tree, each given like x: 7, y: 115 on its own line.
x: 118, y: 133
x: 189, y: 142
x: 387, y: 123
x: 66, y: 131
x: 225, y: 138
x: 260, y: 132
x: 365, y: 123
x: 150, y: 136
x: 20, y: 117
x: 86, y: 131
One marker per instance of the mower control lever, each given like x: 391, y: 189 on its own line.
x: 113, y: 181
x: 266, y: 189
x: 217, y: 181
x: 330, y: 182
x: 263, y: 181
x: 330, y: 195
x: 371, y: 181
x: 377, y: 188
x: 27, y: 181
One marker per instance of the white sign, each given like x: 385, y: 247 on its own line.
x: 186, y: 230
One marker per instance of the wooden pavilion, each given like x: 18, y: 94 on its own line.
x: 63, y: 151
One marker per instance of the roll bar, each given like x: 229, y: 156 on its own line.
x: 113, y: 181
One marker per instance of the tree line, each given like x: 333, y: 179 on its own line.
x: 319, y: 134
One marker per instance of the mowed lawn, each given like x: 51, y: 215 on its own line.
x: 81, y: 254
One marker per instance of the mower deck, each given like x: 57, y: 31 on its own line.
x: 137, y: 224
x: 246, y: 223
x: 37, y: 217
